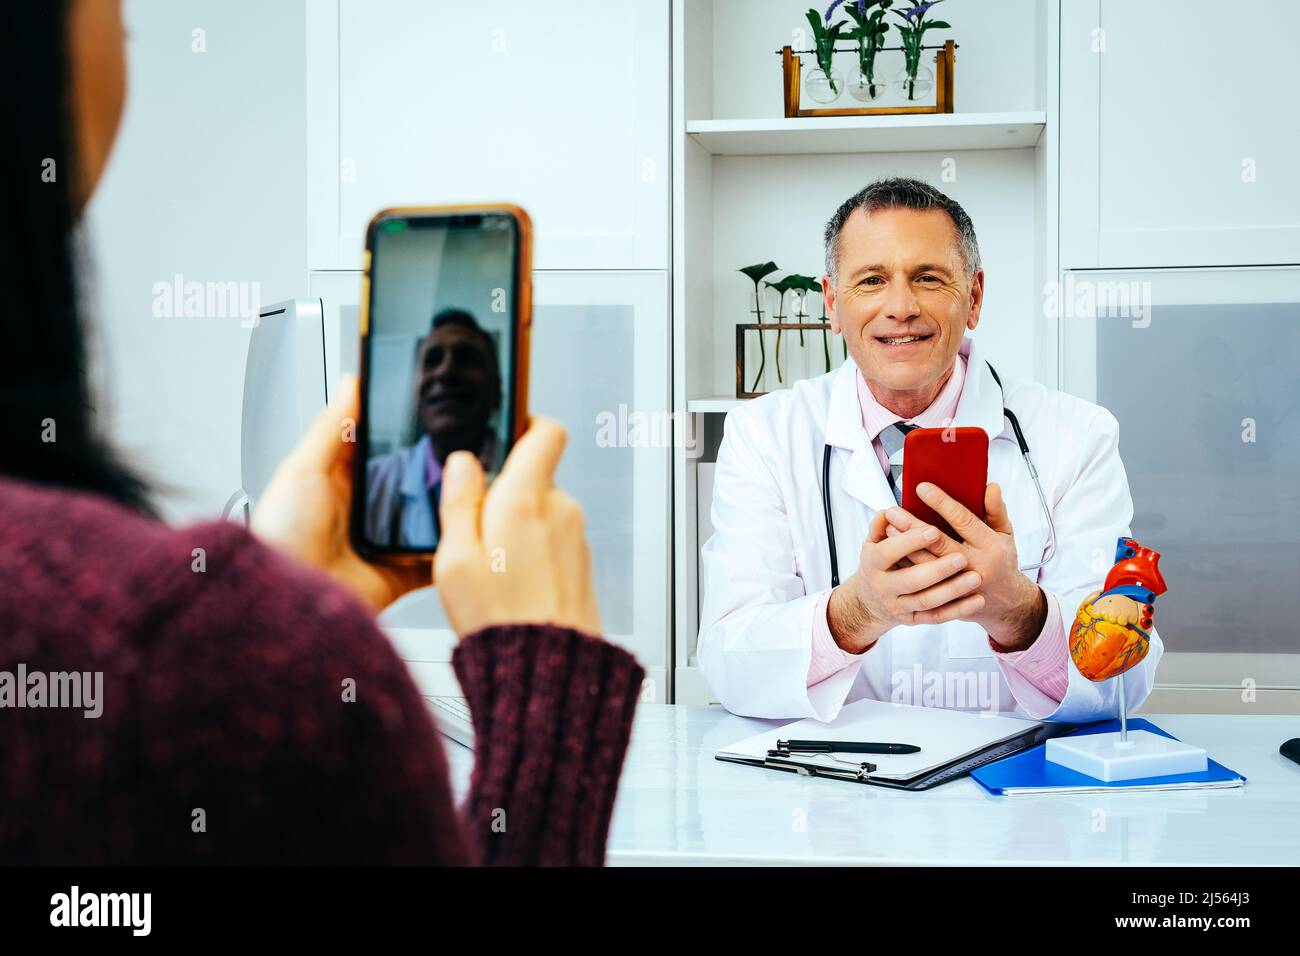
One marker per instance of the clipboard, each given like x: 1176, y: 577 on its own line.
x: 945, y: 773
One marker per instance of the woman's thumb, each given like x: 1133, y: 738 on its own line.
x: 461, y: 500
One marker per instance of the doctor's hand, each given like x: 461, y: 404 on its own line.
x: 304, y: 510
x: 1014, y: 607
x: 883, y: 593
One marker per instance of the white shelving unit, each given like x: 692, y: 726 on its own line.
x: 868, y: 134
x: 750, y: 186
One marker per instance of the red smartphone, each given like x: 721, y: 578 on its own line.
x: 955, y: 459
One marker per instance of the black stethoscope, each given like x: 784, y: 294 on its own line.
x: 1024, y: 452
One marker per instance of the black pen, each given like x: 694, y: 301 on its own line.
x: 843, y: 747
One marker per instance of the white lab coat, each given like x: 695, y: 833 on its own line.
x: 767, y: 564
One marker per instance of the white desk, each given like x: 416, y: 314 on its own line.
x: 677, y: 805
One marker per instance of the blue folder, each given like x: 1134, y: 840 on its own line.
x: 1030, y: 770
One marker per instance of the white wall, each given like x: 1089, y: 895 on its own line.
x: 207, y: 181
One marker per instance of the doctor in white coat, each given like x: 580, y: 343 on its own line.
x: 917, y: 617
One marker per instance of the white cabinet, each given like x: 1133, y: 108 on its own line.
x: 560, y: 107
x: 1178, y: 134
x: 1204, y: 379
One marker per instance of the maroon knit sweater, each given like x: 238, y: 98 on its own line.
x: 227, y: 733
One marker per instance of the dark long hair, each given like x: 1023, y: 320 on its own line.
x: 44, y: 392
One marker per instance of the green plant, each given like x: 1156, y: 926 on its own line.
x: 756, y: 274
x: 782, y: 287
x: 810, y: 284
x: 803, y: 285
x: 913, y: 32
x: 825, y: 36
x: 870, y: 34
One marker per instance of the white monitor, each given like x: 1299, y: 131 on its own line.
x: 284, y: 388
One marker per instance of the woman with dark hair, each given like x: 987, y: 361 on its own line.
x: 236, y: 701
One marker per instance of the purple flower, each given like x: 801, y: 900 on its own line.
x: 860, y: 4
x: 918, y: 11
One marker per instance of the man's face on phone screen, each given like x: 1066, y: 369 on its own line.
x: 457, y: 388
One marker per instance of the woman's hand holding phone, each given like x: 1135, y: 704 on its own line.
x: 304, y: 511
x: 514, y: 552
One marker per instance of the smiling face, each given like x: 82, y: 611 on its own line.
x: 457, y: 388
x: 903, y: 301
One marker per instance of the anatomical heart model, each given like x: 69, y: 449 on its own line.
x: 1112, y: 629
x: 1111, y: 633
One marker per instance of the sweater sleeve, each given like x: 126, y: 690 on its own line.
x: 552, y: 711
x: 252, y: 712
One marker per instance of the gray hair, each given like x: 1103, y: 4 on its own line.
x: 902, y: 193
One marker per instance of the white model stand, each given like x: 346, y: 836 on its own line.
x: 1125, y: 756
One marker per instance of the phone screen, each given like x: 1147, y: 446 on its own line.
x: 439, y: 366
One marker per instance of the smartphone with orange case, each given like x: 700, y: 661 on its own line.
x: 445, y: 321
x: 955, y: 459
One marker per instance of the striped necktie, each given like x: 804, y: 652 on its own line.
x: 892, y: 441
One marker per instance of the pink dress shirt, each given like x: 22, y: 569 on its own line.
x: 1037, y: 676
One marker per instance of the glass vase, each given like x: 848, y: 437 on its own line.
x: 864, y: 89
x: 822, y: 88
x: 915, y: 84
